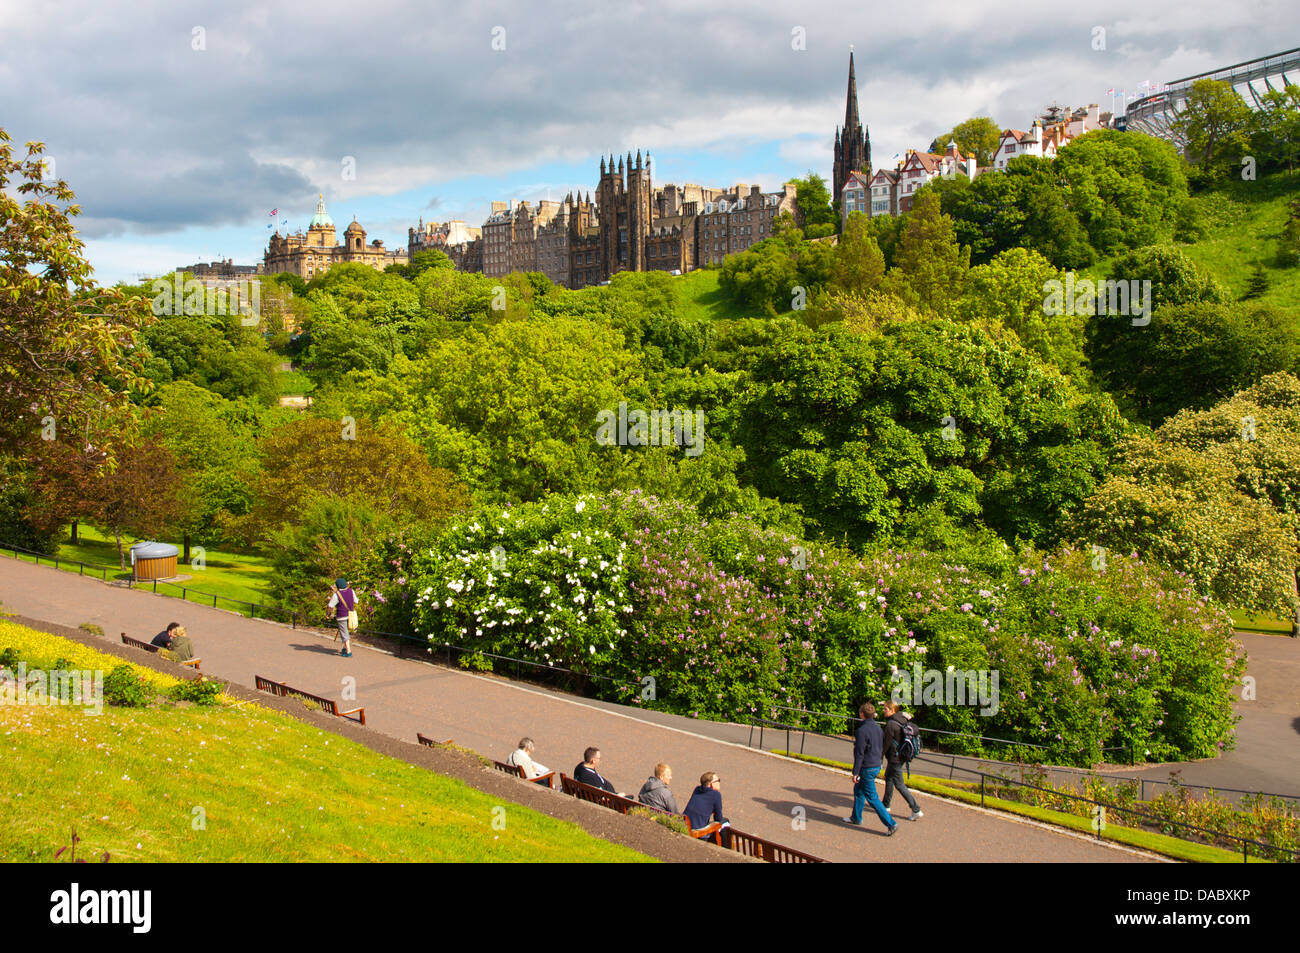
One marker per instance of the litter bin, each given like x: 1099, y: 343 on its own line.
x: 153, y: 560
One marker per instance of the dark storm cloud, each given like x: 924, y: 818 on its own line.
x: 155, y: 134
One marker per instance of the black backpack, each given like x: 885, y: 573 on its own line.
x: 909, y: 744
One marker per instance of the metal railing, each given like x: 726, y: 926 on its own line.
x: 1001, y: 781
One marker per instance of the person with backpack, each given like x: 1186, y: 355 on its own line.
x: 343, y: 608
x: 902, y: 744
x: 867, y: 750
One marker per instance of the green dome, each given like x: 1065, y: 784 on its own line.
x: 321, y: 218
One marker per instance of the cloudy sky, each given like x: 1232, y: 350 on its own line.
x: 181, y: 125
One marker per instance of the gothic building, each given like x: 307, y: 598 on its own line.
x: 852, y: 144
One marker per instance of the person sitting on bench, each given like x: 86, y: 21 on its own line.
x: 181, y: 645
x: 164, y: 638
x: 522, y: 757
x: 587, y: 772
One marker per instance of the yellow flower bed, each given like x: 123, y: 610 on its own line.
x: 42, y: 650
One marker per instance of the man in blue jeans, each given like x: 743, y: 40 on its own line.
x: 868, y: 749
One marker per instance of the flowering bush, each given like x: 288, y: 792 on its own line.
x: 731, y: 620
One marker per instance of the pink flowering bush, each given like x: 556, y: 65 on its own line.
x: 727, y: 619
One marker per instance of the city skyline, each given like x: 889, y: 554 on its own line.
x: 440, y: 124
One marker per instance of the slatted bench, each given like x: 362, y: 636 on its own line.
x: 517, y: 770
x: 764, y: 849
x: 150, y: 647
x: 586, y: 792
x: 326, y: 704
x: 430, y: 743
x: 724, y: 836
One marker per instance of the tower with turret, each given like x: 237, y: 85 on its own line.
x: 852, y: 143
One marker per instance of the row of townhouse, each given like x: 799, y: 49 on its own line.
x: 892, y: 191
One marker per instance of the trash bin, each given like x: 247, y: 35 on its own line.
x: 153, y: 560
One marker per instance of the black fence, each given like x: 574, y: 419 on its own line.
x: 991, y: 784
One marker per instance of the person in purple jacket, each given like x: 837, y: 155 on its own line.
x: 868, y: 749
x: 705, y: 805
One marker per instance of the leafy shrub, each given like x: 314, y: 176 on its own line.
x: 200, y: 691
x: 91, y: 628
x: 122, y: 686
x: 9, y: 658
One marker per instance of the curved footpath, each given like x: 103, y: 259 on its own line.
x: 762, y: 793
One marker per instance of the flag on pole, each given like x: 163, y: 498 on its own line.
x: 1111, y: 91
x: 275, y: 211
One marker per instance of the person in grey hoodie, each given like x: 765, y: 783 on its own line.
x: 655, y: 792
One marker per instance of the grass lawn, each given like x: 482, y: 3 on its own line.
x: 1260, y: 622
x: 231, y: 575
x: 969, y: 793
x: 237, y: 782
x: 293, y: 383
x: 1243, y: 225
x: 700, y: 297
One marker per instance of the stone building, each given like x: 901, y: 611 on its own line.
x: 462, y: 243
x: 311, y: 254
x: 629, y: 226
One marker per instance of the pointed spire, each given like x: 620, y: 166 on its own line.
x: 638, y: 158
x: 851, y: 122
x: 602, y: 165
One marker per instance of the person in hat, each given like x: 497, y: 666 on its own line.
x: 343, y: 602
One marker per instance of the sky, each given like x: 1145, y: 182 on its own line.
x: 180, y: 126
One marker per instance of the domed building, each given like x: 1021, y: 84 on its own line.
x: 315, y: 252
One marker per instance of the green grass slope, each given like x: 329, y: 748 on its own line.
x: 237, y: 782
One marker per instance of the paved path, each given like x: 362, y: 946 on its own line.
x: 402, y: 696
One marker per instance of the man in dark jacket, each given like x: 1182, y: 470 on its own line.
x: 868, y: 748
x: 587, y: 772
x: 705, y: 805
x: 894, y: 726
x: 164, y: 638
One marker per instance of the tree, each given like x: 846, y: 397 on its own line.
x: 813, y: 200
x: 1190, y: 356
x: 1010, y: 289
x: 866, y: 431
x: 859, y: 265
x: 1215, y: 123
x: 65, y: 343
x: 930, y: 268
x: 1276, y: 135
x: 1178, y: 506
x: 352, y: 460
x: 979, y: 135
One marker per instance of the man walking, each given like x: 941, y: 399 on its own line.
x: 867, y: 751
x: 895, y: 723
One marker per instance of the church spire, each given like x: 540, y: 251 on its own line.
x: 851, y: 122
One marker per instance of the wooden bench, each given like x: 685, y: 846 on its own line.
x: 326, y: 704
x: 430, y: 743
x: 764, y: 849
x: 517, y: 770
x: 150, y: 647
x: 724, y: 836
x: 586, y: 792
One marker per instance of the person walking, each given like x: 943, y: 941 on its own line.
x: 868, y: 748
x: 343, y: 608
x: 895, y: 725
